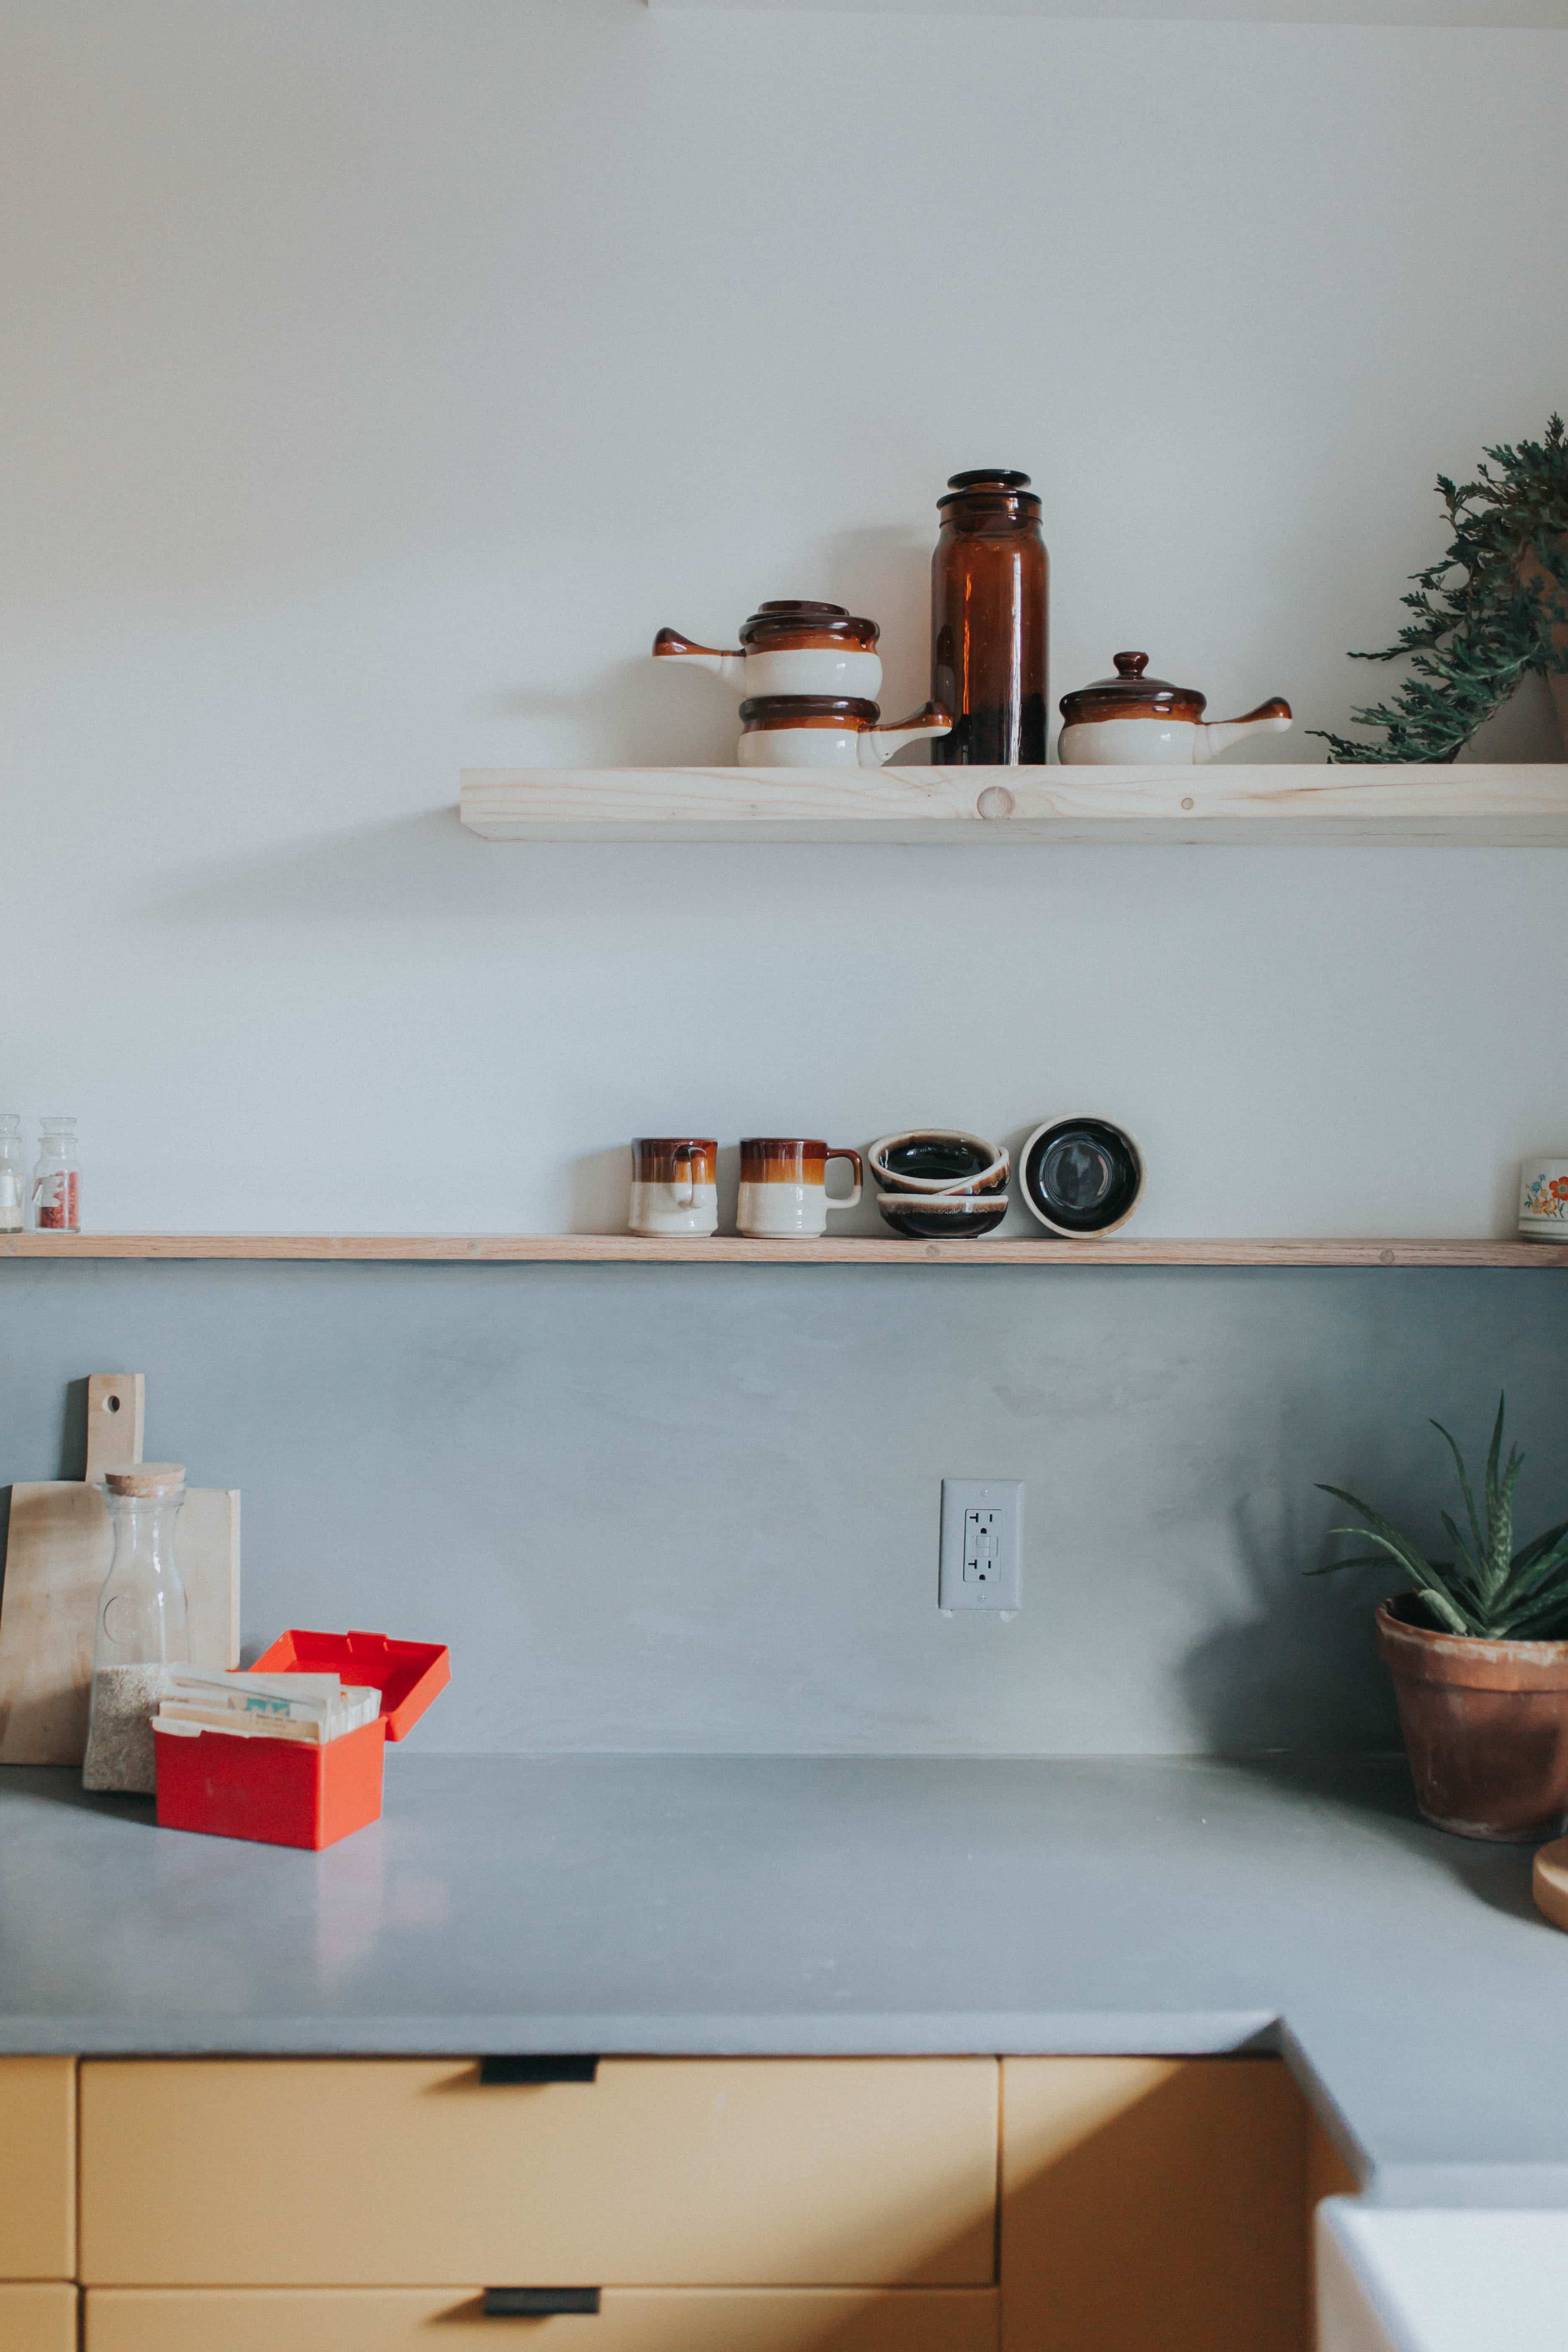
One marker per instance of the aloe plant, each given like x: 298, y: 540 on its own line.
x: 1487, y: 1590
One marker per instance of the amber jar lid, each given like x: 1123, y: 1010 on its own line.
x: 991, y: 491
x: 807, y: 710
x: 1130, y: 695
x: 789, y: 621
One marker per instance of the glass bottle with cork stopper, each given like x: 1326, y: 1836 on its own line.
x: 142, y: 1626
x: 57, y: 1179
x: 990, y: 584
x: 13, y: 1174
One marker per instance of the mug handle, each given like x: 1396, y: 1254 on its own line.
x: 689, y: 1157
x: 850, y: 1198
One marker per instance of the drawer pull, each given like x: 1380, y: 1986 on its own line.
x: 540, y: 2302
x: 562, y: 2066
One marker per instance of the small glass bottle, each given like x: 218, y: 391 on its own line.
x: 142, y: 1626
x: 57, y: 1179
x: 990, y: 584
x: 13, y: 1174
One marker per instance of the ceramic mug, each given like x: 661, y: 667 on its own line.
x: 674, y: 1185
x: 1543, y: 1201
x: 783, y: 1187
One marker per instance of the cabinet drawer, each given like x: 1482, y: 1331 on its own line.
x: 37, y: 2168
x: 38, y: 2318
x: 410, y: 2172
x: 1153, y: 2201
x: 631, y: 2319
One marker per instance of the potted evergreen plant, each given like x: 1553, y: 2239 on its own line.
x: 1479, y: 1651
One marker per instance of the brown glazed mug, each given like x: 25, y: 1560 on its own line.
x: 783, y: 1187
x: 674, y: 1185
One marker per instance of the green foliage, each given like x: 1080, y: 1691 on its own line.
x: 1487, y: 1588
x: 1484, y: 614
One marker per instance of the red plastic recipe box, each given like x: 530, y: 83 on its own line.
x: 291, y: 1792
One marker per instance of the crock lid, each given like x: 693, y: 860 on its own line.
x: 792, y: 710
x: 787, y: 620
x: 1130, y: 695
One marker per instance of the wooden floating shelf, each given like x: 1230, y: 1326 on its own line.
x: 628, y: 1249
x: 1521, y: 806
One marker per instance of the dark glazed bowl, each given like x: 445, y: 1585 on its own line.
x: 935, y: 1159
x: 1082, y: 1177
x: 944, y: 1216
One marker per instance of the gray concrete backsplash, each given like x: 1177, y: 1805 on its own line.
x: 674, y: 1508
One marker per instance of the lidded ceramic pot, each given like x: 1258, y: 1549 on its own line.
x: 1130, y: 720
x: 790, y: 646
x: 828, y: 730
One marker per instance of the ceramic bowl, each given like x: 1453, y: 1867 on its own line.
x: 1082, y: 1177
x: 939, y: 1161
x: 942, y: 1216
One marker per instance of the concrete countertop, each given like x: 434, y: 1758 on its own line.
x: 788, y: 1906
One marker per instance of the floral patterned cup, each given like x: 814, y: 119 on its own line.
x: 1543, y: 1201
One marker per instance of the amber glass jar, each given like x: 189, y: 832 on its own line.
x: 990, y: 594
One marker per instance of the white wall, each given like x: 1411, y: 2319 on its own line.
x: 377, y: 374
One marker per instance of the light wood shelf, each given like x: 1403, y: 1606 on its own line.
x: 727, y: 1249
x: 1522, y: 805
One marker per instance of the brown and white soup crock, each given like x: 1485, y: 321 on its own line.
x: 790, y: 646
x: 828, y: 730
x: 1130, y: 720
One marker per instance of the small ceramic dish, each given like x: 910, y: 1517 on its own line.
x: 942, y: 1216
x: 1082, y: 1177
x: 939, y: 1161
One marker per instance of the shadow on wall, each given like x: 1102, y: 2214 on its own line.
x: 638, y: 713
x: 1244, y: 1684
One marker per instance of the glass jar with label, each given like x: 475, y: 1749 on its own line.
x: 57, y: 1179
x: 13, y: 1174
x: 142, y: 1626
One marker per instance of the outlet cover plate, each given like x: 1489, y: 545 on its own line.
x: 981, y: 1544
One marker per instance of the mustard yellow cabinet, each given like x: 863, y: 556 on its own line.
x: 630, y: 2319
x: 37, y: 2172
x: 1153, y: 2203
x: 41, y: 2317
x: 411, y: 2172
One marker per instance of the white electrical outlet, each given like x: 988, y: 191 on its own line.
x: 981, y: 1544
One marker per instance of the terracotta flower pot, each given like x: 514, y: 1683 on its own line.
x: 1485, y: 1725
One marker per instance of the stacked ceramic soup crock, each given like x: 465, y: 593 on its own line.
x: 809, y: 676
x: 937, y: 1184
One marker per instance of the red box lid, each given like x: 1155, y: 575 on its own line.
x: 408, y: 1675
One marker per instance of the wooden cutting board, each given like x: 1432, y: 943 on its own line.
x: 57, y: 1557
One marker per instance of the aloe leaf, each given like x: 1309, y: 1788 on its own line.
x: 1528, y: 1553
x: 1494, y: 1455
x: 1427, y: 1576
x: 1534, y: 1568
x: 1471, y: 1572
x: 1362, y: 1559
x: 1441, y: 1606
x: 1525, y: 1624
x: 1476, y: 1536
x: 1500, y: 1555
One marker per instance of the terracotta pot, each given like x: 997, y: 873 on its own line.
x: 1485, y: 1725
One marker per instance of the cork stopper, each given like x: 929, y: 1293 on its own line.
x: 147, y: 1478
